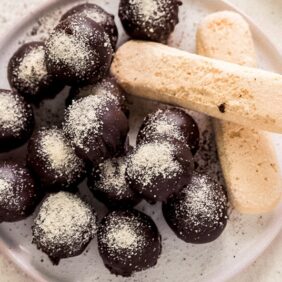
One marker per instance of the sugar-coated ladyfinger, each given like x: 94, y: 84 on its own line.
x: 247, y: 157
x: 220, y: 89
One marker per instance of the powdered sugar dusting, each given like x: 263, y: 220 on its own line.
x: 83, y: 119
x: 59, y: 153
x: 123, y: 237
x: 14, y: 189
x: 9, y: 196
x: 95, y: 15
x: 13, y: 115
x: 203, y: 201
x: 152, y: 160
x: 79, y: 49
x: 106, y: 86
x: 148, y: 9
x: 112, y: 176
x: 123, y: 233
x: 96, y: 89
x: 6, y: 190
x: 32, y: 68
x: 67, y: 49
x: 160, y: 124
x: 163, y: 127
x: 64, y: 219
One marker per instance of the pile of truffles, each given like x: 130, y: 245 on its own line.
x: 92, y: 142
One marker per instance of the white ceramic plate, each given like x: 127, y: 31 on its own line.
x: 245, y: 236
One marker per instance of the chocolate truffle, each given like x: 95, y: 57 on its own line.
x: 97, y: 127
x: 152, y: 20
x: 64, y: 226
x: 27, y: 73
x: 170, y: 124
x: 106, y: 86
x: 52, y: 159
x: 19, y: 194
x: 16, y: 120
x: 198, y: 213
x: 78, y: 51
x: 128, y: 241
x: 158, y: 169
x: 109, y: 185
x: 99, y: 15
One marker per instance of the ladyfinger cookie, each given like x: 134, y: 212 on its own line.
x: 247, y: 156
x: 235, y: 93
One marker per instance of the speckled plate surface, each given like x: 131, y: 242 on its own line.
x: 245, y: 236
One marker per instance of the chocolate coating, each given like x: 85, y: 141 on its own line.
x: 64, y: 226
x: 158, y: 169
x: 97, y: 127
x: 53, y: 160
x: 27, y: 73
x: 152, y: 20
x: 99, y: 15
x: 16, y: 120
x: 19, y: 194
x: 128, y: 241
x: 78, y: 51
x: 170, y: 124
x: 109, y: 185
x: 106, y: 85
x: 198, y: 213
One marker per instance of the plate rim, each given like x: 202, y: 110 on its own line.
x: 31, y: 272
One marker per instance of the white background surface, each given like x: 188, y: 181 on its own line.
x: 268, y: 15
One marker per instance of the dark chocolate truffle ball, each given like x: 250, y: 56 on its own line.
x: 128, y: 241
x: 16, y: 120
x: 27, y: 73
x: 19, y: 194
x: 152, y: 20
x: 109, y: 185
x: 64, y: 226
x: 78, y: 51
x: 99, y: 15
x: 52, y: 159
x: 106, y: 86
x: 198, y: 213
x: 97, y: 127
x: 158, y: 169
x: 170, y: 124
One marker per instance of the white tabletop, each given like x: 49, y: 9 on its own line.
x: 268, y: 15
